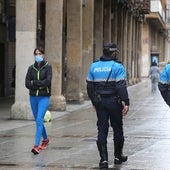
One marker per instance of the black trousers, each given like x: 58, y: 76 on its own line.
x: 109, y: 109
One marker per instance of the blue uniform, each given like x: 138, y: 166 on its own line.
x: 164, y: 84
x: 112, y: 94
x: 100, y: 70
x: 165, y: 75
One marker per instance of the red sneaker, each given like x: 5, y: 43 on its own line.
x: 35, y: 150
x: 44, y: 143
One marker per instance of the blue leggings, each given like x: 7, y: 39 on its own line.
x: 39, y: 106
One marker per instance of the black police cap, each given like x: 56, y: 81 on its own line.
x: 110, y: 47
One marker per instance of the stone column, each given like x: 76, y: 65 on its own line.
x: 53, y: 49
x: 74, y: 51
x: 107, y: 21
x: 130, y: 49
x: 114, y: 23
x: 26, y: 18
x: 98, y: 30
x: 122, y: 34
x: 133, y: 47
x: 124, y: 38
x: 88, y: 20
x: 145, y: 51
x: 139, y: 49
x: 119, y: 30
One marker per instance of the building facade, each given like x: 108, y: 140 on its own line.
x: 72, y: 33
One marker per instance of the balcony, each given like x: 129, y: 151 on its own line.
x: 157, y: 15
x: 156, y: 6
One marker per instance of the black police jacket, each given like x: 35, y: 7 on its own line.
x: 111, y: 88
x: 38, y: 79
x: 165, y: 92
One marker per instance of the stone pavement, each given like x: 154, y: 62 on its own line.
x: 73, y: 135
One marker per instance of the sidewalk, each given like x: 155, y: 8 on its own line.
x: 5, y: 106
x: 73, y: 137
x: 7, y: 124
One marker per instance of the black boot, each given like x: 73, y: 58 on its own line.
x: 118, y: 153
x: 102, y: 147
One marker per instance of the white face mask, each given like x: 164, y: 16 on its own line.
x: 38, y: 58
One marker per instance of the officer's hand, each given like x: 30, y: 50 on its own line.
x: 125, y: 110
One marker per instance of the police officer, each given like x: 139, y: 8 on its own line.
x: 164, y: 84
x: 107, y: 79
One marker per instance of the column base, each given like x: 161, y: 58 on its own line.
x: 75, y: 98
x: 57, y: 103
x: 21, y: 110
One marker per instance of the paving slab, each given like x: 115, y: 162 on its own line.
x: 73, y: 135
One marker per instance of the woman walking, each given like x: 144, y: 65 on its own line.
x: 154, y: 74
x: 38, y: 81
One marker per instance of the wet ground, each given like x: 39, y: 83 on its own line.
x: 73, y: 135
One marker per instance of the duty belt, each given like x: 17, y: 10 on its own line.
x: 107, y: 95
